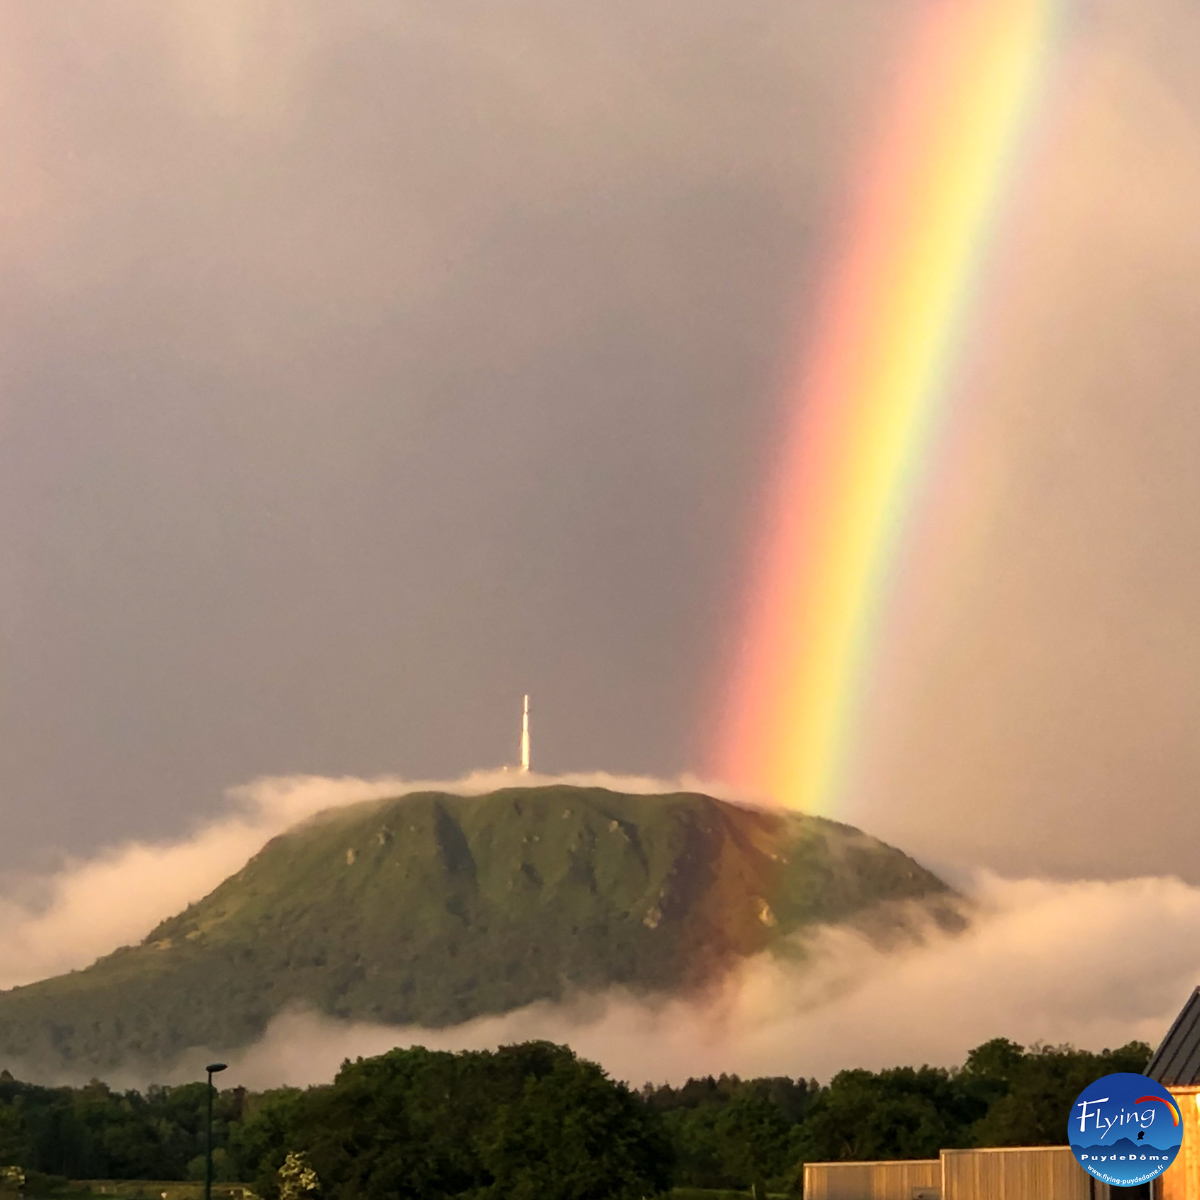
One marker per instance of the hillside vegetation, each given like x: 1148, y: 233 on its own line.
x: 432, y: 909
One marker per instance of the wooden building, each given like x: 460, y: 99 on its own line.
x: 900, y: 1179
x: 1038, y: 1172
x: 1017, y: 1173
x: 1008, y: 1173
x: 1176, y: 1065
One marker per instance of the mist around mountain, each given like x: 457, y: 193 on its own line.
x: 432, y: 909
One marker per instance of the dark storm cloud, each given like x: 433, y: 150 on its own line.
x: 367, y: 365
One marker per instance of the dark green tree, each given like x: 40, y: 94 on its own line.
x: 14, y: 1137
x: 574, y: 1134
x: 1031, y: 1097
x: 525, y: 1121
x: 259, y: 1143
x: 904, y: 1112
x: 752, y: 1141
x: 728, y: 1131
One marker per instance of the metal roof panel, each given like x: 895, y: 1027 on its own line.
x: 1177, y: 1060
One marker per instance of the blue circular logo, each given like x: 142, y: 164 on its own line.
x: 1125, y: 1129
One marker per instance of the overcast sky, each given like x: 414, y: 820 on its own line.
x: 365, y: 365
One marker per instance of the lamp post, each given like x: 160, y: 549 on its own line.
x: 212, y: 1069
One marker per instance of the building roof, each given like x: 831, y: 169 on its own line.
x: 1177, y: 1061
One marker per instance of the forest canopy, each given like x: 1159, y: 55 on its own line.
x: 536, y: 1120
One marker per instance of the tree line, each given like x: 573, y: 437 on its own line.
x: 536, y: 1120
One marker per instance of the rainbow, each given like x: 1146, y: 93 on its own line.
x: 1175, y: 1113
x: 874, y: 384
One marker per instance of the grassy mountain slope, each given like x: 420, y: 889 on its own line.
x: 433, y: 909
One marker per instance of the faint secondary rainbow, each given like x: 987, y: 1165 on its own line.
x: 874, y: 384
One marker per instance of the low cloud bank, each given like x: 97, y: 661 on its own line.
x: 1093, y: 963
x: 67, y: 919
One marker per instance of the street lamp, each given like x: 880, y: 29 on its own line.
x: 212, y: 1069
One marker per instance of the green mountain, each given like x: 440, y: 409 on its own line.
x: 432, y: 909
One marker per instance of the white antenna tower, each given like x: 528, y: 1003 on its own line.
x: 525, y: 739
